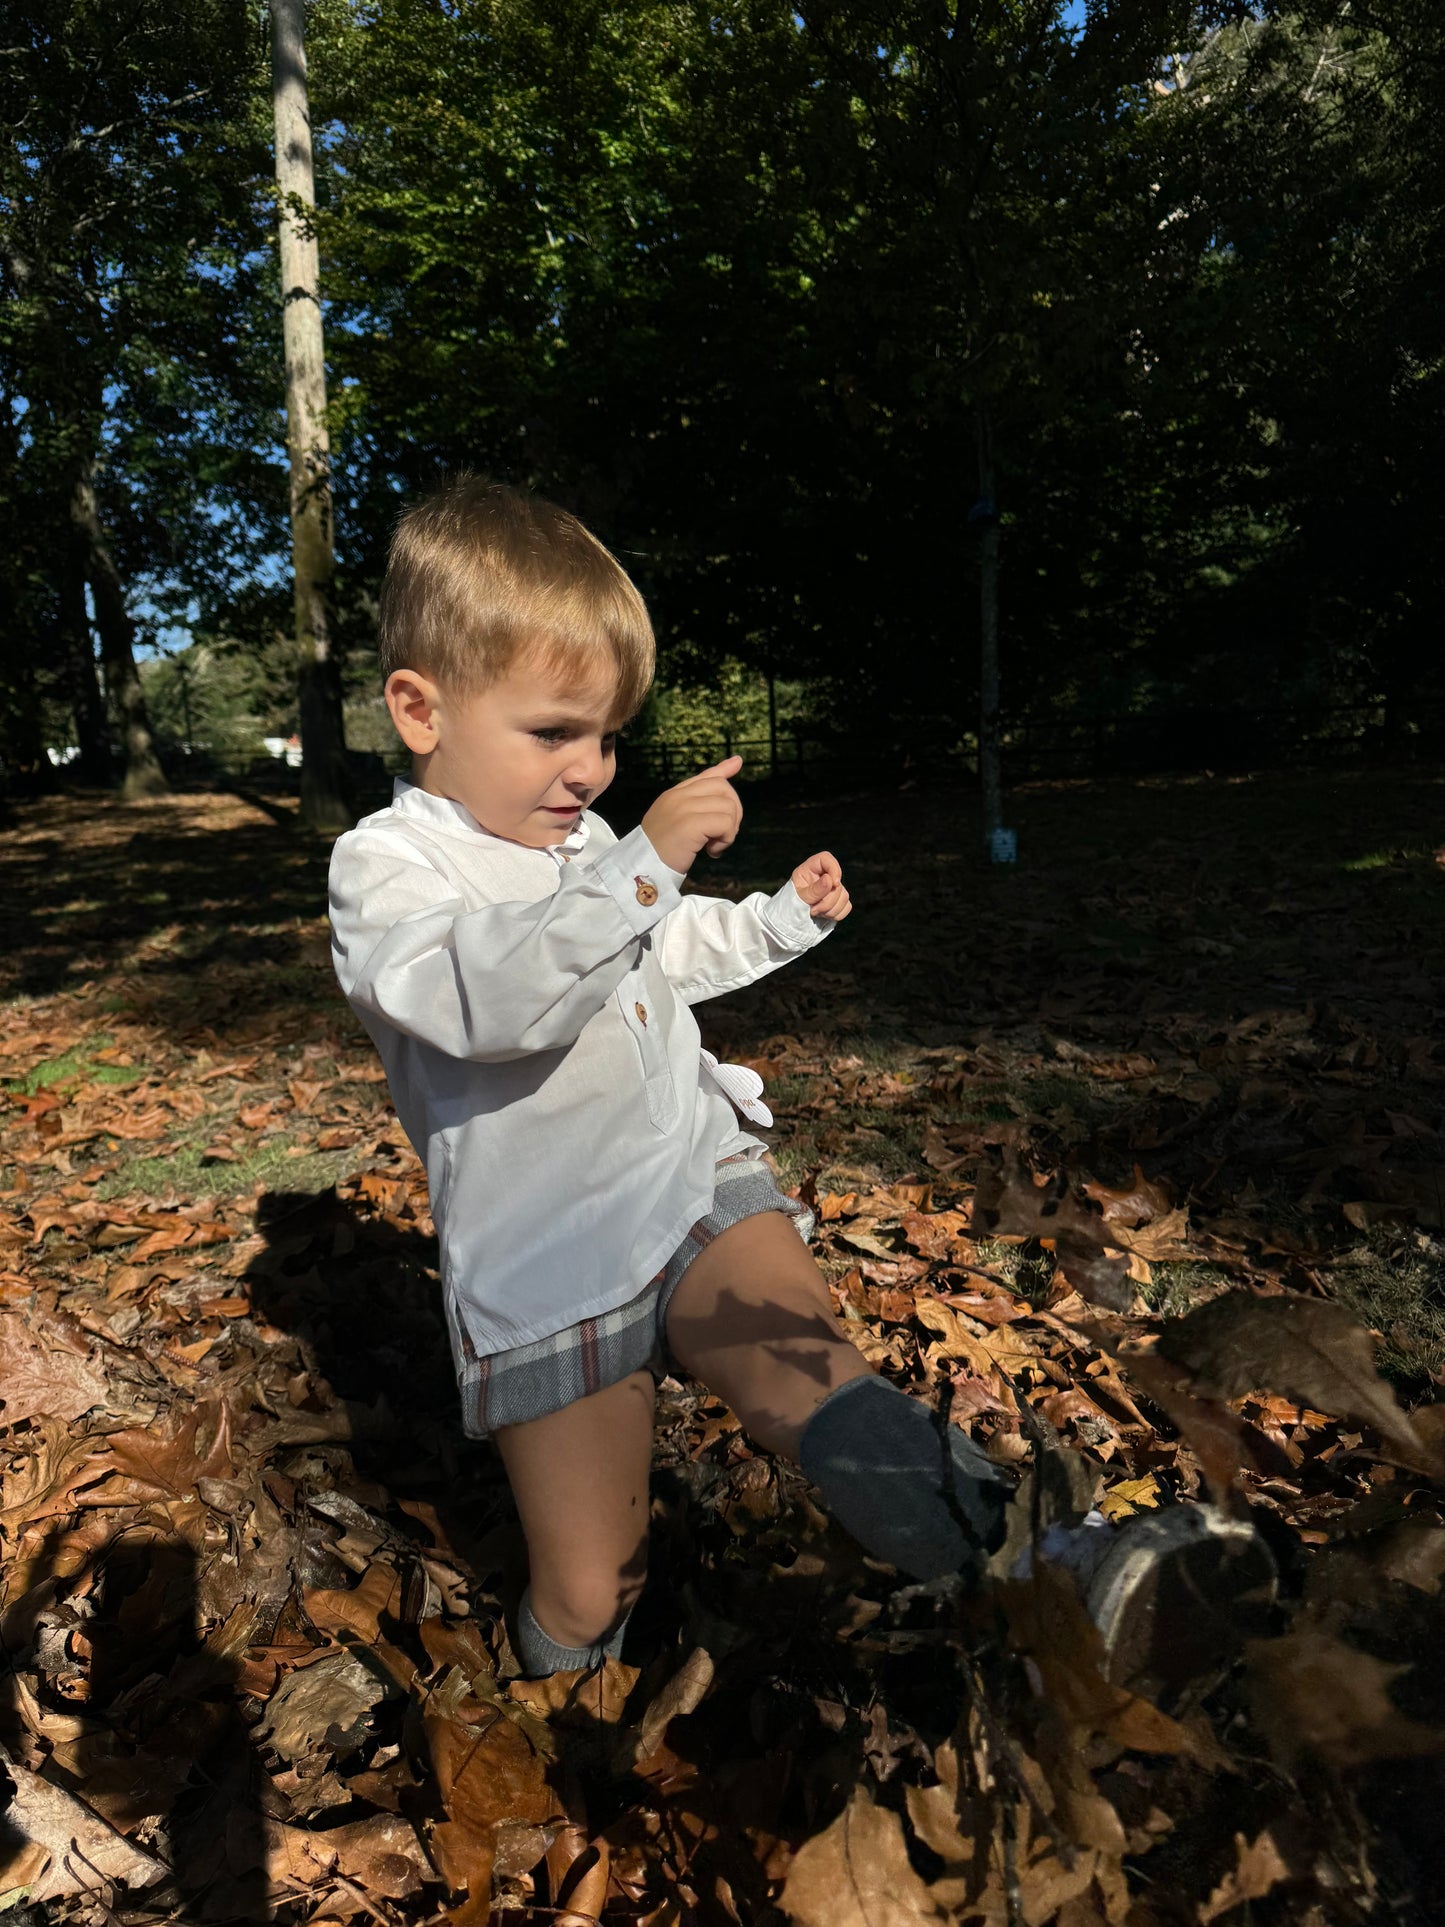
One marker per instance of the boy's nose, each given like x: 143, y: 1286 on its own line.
x: 587, y: 772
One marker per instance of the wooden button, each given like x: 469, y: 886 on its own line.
x: 641, y: 1010
x: 646, y: 891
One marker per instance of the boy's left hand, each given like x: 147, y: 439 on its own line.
x: 818, y: 880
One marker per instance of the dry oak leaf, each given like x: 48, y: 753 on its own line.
x: 592, y: 1695
x: 57, y: 1846
x: 42, y: 1375
x: 42, y: 1484
x: 356, y: 1611
x: 1048, y: 1621
x: 1311, y: 1349
x: 1313, y: 1693
x: 1160, y: 1242
x: 1219, y: 1438
x: 487, y: 1775
x: 1130, y: 1496
x: 1259, y: 1866
x: 1142, y: 1202
x: 381, y: 1854
x: 960, y: 1343
x: 933, y: 1234
x: 934, y: 1813
x: 857, y: 1873
x: 337, y: 1691
x: 683, y: 1693
x: 1010, y: 1202
x: 146, y: 1463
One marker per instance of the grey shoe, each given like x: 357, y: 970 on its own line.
x: 1176, y: 1595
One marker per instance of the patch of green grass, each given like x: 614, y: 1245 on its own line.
x: 79, y: 1062
x: 1177, y: 1288
x: 1385, y: 860
x: 1394, y: 1282
x: 1029, y: 1271
x: 112, y: 1074
x: 182, y: 1173
x: 782, y: 1093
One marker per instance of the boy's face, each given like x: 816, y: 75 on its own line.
x: 524, y: 756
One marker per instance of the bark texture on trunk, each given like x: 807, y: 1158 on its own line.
x: 143, y: 775
x: 325, y: 785
x: 95, y: 766
x: 990, y: 770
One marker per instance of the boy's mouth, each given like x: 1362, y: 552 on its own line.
x: 563, y: 809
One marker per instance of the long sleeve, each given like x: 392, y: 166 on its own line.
x: 708, y: 945
x: 500, y: 981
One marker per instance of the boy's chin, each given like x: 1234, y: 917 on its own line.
x: 545, y: 836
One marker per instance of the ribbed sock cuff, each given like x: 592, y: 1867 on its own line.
x: 878, y: 1459
x: 540, y: 1654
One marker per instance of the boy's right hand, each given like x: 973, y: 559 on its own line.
x: 702, y: 813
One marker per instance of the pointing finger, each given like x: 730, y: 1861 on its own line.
x: 729, y: 766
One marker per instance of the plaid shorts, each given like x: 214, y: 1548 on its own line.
x: 507, y: 1388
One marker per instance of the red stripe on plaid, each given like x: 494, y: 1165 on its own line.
x: 591, y: 1364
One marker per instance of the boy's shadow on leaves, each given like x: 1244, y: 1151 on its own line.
x: 357, y: 1287
x: 355, y: 1281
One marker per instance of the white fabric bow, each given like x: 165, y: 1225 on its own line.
x: 741, y: 1087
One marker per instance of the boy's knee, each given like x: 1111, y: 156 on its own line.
x: 580, y: 1608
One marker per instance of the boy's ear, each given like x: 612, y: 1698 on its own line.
x: 413, y: 700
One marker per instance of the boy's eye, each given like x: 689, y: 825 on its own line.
x: 559, y: 735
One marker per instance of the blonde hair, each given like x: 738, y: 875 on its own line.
x: 480, y: 575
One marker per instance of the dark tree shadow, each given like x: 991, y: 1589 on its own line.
x: 119, y: 1638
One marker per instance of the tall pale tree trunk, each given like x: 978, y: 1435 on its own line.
x: 96, y: 762
x: 143, y: 773
x: 990, y: 761
x: 325, y: 786
x: 95, y: 765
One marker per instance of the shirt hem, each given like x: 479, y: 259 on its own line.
x: 486, y: 1344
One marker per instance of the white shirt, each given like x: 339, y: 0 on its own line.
x: 531, y: 1009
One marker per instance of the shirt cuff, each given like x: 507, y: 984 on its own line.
x: 792, y: 922
x: 638, y: 881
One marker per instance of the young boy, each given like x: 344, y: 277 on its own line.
x: 528, y: 979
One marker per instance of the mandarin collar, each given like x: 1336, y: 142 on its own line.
x: 445, y: 813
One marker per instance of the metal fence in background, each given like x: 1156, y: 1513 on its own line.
x: 1034, y: 748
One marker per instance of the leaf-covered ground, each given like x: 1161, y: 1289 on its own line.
x: 1114, y: 1156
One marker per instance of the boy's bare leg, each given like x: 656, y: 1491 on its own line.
x: 752, y: 1320
x: 579, y: 1477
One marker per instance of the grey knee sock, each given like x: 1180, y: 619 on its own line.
x: 876, y: 1456
x: 540, y: 1653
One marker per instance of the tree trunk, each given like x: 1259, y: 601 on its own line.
x: 325, y: 785
x: 143, y: 774
x: 95, y: 765
x: 25, y: 768
x: 990, y: 769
